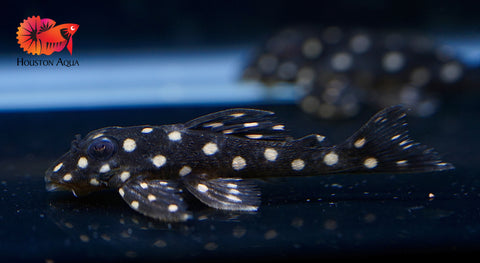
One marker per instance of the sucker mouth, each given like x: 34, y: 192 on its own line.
x: 53, y: 187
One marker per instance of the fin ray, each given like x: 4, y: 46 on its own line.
x: 245, y: 123
x: 224, y: 193
x: 159, y: 199
x: 384, y: 145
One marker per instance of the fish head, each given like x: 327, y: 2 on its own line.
x: 68, y: 30
x: 71, y: 28
x: 89, y: 164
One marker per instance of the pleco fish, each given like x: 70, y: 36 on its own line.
x: 210, y: 157
x: 339, y: 70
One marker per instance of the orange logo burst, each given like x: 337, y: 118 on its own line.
x: 40, y: 36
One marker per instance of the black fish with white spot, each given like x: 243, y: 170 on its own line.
x: 339, y: 70
x: 154, y: 167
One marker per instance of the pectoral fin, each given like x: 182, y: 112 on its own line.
x: 159, y: 199
x: 224, y: 193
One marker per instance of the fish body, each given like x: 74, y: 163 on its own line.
x: 342, y: 69
x: 40, y: 36
x: 153, y: 167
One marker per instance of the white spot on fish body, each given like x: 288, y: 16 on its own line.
x: 67, y: 177
x: 278, y: 127
x: 134, y: 204
x: 175, y: 136
x: 173, y: 208
x: 270, y: 154
x: 238, y: 163
x: 305, y: 76
x: 94, y: 182
x: 360, y: 43
x: 254, y: 136
x: 236, y: 115
x: 408, y: 146
x: 124, y: 176
x: 213, y: 125
x: 57, y: 167
x: 230, y: 185
x: 82, y: 162
x: 234, y: 191
x: 320, y: 138
x: 312, y: 48
x: 105, y: 168
x: 393, y: 61
x: 298, y: 164
x: 233, y: 198
x: 330, y: 158
x: 250, y: 124
x: 451, y: 72
x: 381, y: 119
x: 395, y: 137
x: 359, y: 143
x: 185, y: 170
x: 370, y: 162
x: 129, y: 145
x: 202, y: 188
x: 341, y: 61
x: 151, y: 198
x: 147, y: 130
x: 159, y: 160
x: 210, y: 148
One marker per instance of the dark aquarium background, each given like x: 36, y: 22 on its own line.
x: 162, y: 62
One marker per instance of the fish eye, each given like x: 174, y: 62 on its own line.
x: 102, y: 148
x: 72, y: 28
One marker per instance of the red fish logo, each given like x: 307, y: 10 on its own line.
x: 40, y: 36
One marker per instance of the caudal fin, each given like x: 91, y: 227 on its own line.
x: 383, y: 145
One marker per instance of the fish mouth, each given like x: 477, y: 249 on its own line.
x: 51, y: 186
x: 54, y: 187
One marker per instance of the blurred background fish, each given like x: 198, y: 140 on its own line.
x: 341, y: 69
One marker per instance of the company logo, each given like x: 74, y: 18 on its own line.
x: 38, y: 36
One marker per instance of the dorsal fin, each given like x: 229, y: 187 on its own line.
x: 46, y: 24
x: 246, y: 123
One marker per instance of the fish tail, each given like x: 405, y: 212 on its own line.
x: 383, y: 145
